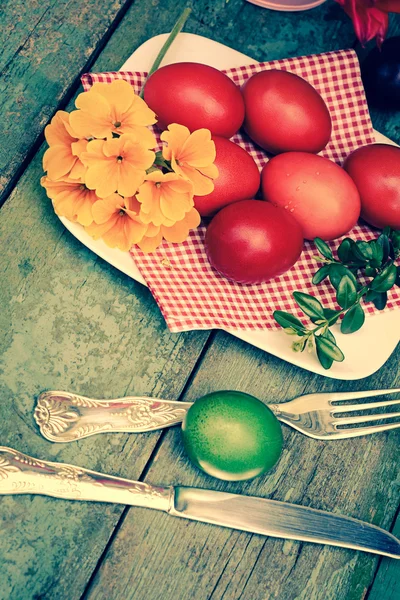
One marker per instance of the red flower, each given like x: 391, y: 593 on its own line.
x: 370, y: 17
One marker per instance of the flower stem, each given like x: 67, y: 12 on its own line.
x: 177, y: 28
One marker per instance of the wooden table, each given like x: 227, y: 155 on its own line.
x: 71, y: 321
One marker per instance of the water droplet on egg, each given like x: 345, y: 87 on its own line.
x: 304, y: 180
x: 317, y: 173
x: 297, y: 189
x: 291, y: 210
x: 287, y: 174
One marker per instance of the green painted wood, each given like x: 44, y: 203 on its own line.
x: 173, y: 558
x: 260, y: 33
x: 70, y: 321
x: 44, y: 45
x: 387, y: 581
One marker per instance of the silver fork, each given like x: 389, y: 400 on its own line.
x: 65, y: 417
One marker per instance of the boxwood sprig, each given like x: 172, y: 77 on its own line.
x: 374, y: 261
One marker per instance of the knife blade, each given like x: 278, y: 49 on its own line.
x: 22, y: 474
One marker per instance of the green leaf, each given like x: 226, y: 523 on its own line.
x: 309, y: 305
x: 357, y: 252
x: 370, y: 296
x: 384, y: 243
x: 370, y: 271
x: 286, y: 320
x: 329, y: 348
x: 323, y: 248
x: 323, y: 358
x: 344, y: 250
x: 395, y: 237
x: 353, y: 320
x: 365, y: 250
x: 346, y: 292
x: 378, y: 252
x: 385, y: 280
x: 329, y: 336
x: 380, y: 300
x: 336, y: 272
x: 321, y: 274
x: 331, y: 314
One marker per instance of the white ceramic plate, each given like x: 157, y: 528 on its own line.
x: 367, y: 350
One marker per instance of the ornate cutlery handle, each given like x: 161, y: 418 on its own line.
x: 22, y: 474
x: 65, y: 417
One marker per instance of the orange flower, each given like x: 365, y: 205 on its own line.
x: 62, y: 158
x: 109, y: 108
x: 178, y: 232
x: 117, y: 165
x: 165, y: 198
x: 71, y: 199
x: 192, y: 156
x: 116, y: 220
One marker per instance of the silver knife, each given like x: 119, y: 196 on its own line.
x: 22, y: 474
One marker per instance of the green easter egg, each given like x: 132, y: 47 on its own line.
x: 232, y: 436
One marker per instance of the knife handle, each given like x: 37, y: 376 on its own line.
x: 65, y: 417
x: 22, y: 474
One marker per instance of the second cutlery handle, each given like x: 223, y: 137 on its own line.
x: 65, y: 417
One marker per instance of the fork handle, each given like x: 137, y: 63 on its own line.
x: 65, y: 417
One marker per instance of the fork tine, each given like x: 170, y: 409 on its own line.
x: 352, y: 407
x: 367, y: 394
x: 362, y: 418
x: 358, y: 431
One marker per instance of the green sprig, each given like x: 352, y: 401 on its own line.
x: 374, y: 260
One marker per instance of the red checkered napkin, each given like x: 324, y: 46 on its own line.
x: 190, y: 294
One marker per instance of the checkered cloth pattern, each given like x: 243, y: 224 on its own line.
x: 192, y: 295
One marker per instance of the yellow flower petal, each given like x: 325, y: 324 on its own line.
x: 78, y: 171
x: 201, y: 185
x: 139, y: 114
x: 198, y: 150
x: 152, y: 230
x: 119, y: 95
x: 149, y: 244
x: 142, y: 136
x: 173, y: 206
x: 193, y: 219
x: 94, y: 117
x: 58, y: 161
x: 134, y: 230
x: 175, y: 136
x: 104, y: 209
x: 129, y: 178
x: 102, y: 177
x: 98, y: 231
x: 56, y: 132
x: 211, y: 171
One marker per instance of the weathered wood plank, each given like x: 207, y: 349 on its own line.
x: 260, y: 33
x: 172, y: 558
x: 387, y: 581
x: 43, y: 48
x: 52, y: 346
x: 70, y: 321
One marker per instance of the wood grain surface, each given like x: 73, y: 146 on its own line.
x: 71, y: 321
x: 343, y: 477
